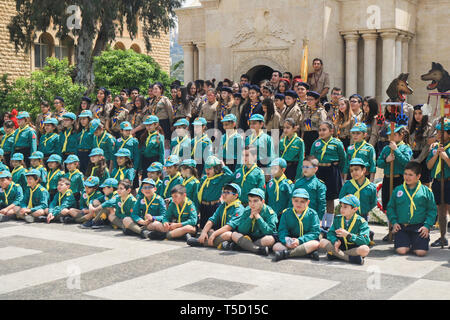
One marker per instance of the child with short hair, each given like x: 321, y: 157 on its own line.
x: 7, y: 142
x: 54, y: 174
x: 153, y: 148
x: 35, y: 200
x: 173, y: 177
x: 18, y: 173
x: 189, y: 173
x: 11, y: 196
x: 37, y: 162
x: 155, y: 172
x: 181, y: 144
x: 292, y: 149
x: 99, y: 208
x: 124, y: 169
x: 68, y: 138
x: 62, y: 202
x: 49, y: 142
x: 201, y: 144
x: 279, y: 189
x: 74, y: 175
x: 123, y: 206
x: 249, y: 176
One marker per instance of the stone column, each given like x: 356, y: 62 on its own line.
x: 405, y: 53
x: 370, y: 62
x: 388, y: 63
x: 188, y: 49
x: 201, y: 61
x: 195, y: 63
x: 398, y: 55
x: 351, y: 62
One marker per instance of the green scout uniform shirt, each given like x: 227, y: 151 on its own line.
x: 53, y: 177
x: 399, y: 207
x: 234, y: 211
x: 125, y: 208
x: 76, y: 180
x: 211, y: 189
x: 334, y: 152
x: 43, y: 173
x: 18, y: 176
x: 131, y: 144
x: 192, y: 185
x: 254, y: 178
x: 201, y: 148
x: 25, y: 138
x: 7, y: 143
x: 367, y: 196
x: 12, y: 195
x: 317, y: 193
x: 305, y: 227
x: 39, y: 199
x: 110, y: 200
x: 154, y: 146
x: 106, y: 142
x: 293, y: 150
x: 155, y: 207
x: 94, y: 172
x: 403, y: 155
x: 62, y: 201
x: 49, y: 144
x: 256, y: 228
x: 364, y: 152
x: 123, y: 173
x: 186, y: 216
x: 280, y: 200
x: 359, y: 232
x: 86, y: 199
x: 232, y: 146
x: 178, y: 146
x: 444, y: 166
x: 3, y: 167
x: 264, y: 147
x: 170, y: 182
x: 68, y: 142
x: 85, y: 140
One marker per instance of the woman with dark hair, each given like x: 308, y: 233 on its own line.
x: 118, y: 114
x: 181, y: 105
x: 344, y: 122
x: 224, y: 106
x: 283, y: 86
x: 272, y: 118
x: 370, y: 111
x: 101, y: 108
x: 161, y: 107
x: 314, y: 115
x: 137, y: 115
x: 420, y: 132
x: 195, y: 99
x: 252, y: 107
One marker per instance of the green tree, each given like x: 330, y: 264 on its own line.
x: 5, y: 87
x: 118, y: 69
x: 100, y: 21
x: 53, y: 80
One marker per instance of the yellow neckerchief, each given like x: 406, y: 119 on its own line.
x: 186, y: 181
x: 254, y: 219
x: 352, y: 224
x: 289, y: 144
x: 93, y: 169
x: 73, y: 172
x: 61, y: 196
x: 256, y: 138
x: 45, y: 140
x: 197, y: 141
x: 30, y: 201
x: 66, y: 139
x: 83, y: 131
x: 224, y: 215
x: 111, y: 195
x: 149, y: 137
x: 6, y: 138
x: 50, y: 177
x: 277, y: 185
x: 147, y: 205
x: 16, y: 169
x: 439, y: 165
x: 125, y: 141
x: 244, y: 175
x: 170, y: 181
x: 300, y: 223
x: 411, y: 197
x: 206, y: 183
x: 358, y: 188
x: 357, y: 150
x: 120, y: 171
x: 228, y: 139
x: 180, y: 212
x: 38, y: 167
x: 89, y: 197
x: 324, y: 148
x: 178, y: 146
x: 123, y: 203
x: 19, y: 131
x: 101, y: 140
x: 11, y: 185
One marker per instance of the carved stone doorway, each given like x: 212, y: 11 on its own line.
x: 259, y: 73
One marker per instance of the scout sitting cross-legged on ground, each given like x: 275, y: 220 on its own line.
x: 11, y: 195
x: 124, y: 205
x: 299, y: 230
x: 256, y: 226
x: 35, y: 199
x: 348, y: 237
x: 218, y: 228
x: 180, y: 219
x: 63, y: 200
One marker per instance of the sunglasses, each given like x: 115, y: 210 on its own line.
x: 228, y: 192
x: 147, y: 187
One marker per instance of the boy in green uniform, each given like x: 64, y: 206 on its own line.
x: 279, y: 189
x: 361, y: 149
x: 412, y: 212
x: 54, y: 174
x: 85, y: 139
x: 124, y: 205
x: 348, y: 237
x: 11, y: 196
x: 292, y: 149
x: 315, y: 187
x: 35, y: 199
x: 180, y: 219
x: 25, y: 139
x: 255, y: 227
x: 299, y: 229
x: 173, y: 177
x: 201, y: 145
x: 129, y: 142
x: 188, y: 170
x: 124, y: 169
x: 250, y: 176
x: 62, y: 202
x: 181, y: 145
x: 99, y: 208
x: 7, y: 142
x: 153, y: 150
x: 103, y: 140
x: 36, y: 161
x: 68, y: 139
x: 262, y: 141
x: 49, y: 142
x: 232, y: 143
x: 74, y: 175
x: 218, y: 228
x: 154, y: 172
x: 18, y: 173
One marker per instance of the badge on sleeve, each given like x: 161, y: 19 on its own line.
x: 119, y: 140
x: 84, y: 196
x: 399, y: 193
x: 142, y: 201
x: 238, y: 175
x: 318, y: 144
x: 270, y: 184
x: 351, y: 148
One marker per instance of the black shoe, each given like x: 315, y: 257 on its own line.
x: 157, y: 235
x: 438, y: 243
x: 99, y: 224
x: 61, y: 219
x: 331, y: 257
x: 228, y: 246
x: 314, y: 256
x: 187, y: 236
x: 356, y: 260
x: 41, y: 219
x: 4, y: 218
x: 386, y: 238
x: 87, y: 225
x: 145, y: 234
x: 371, y: 235
x: 69, y: 220
x: 263, y: 251
x: 280, y: 255
x: 193, y: 242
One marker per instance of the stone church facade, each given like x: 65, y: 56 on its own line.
x: 364, y: 44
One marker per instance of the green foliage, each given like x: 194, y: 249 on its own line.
x: 118, y: 69
x: 5, y: 87
x: 53, y: 80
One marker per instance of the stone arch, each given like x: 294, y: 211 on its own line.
x: 43, y: 49
x: 135, y: 47
x: 253, y: 61
x: 119, y: 46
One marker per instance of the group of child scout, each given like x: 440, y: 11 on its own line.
x: 193, y: 195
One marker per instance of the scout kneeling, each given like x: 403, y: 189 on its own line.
x: 299, y: 230
x: 348, y: 237
x: 62, y: 202
x: 35, y: 199
x: 412, y: 211
x: 11, y: 196
x: 218, y: 228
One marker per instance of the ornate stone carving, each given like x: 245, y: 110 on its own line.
x: 277, y: 58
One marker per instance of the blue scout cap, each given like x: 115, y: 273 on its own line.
x: 33, y: 172
x: 72, y: 158
x: 200, y: 122
x: 291, y: 93
x: 257, y: 192
x: 397, y: 129
x: 279, y: 96
x: 23, y: 114
x: 52, y: 121
x: 189, y: 163
x: 229, y: 117
x: 300, y: 193
x: 17, y: 156
x: 279, y: 162
x: 155, y: 167
x: 54, y: 158
x: 5, y: 174
x: 212, y: 161
x: 446, y: 125
x: 237, y: 95
x: 85, y: 114
x: 305, y: 85
x: 92, y: 181
x: 110, y: 182
x: 181, y: 122
x: 227, y: 89
x: 358, y: 162
x: 350, y: 199
x: 257, y: 117
x: 2, y: 152
x: 96, y: 152
x: 70, y: 115
x: 151, y: 120
x: 254, y: 87
x: 149, y: 181
x: 123, y: 153
x: 36, y: 155
x: 313, y: 94
x: 356, y: 96
x: 87, y: 99
x: 126, y: 126
x: 235, y: 187
x: 94, y: 125
x: 172, y: 160
x: 359, y: 127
